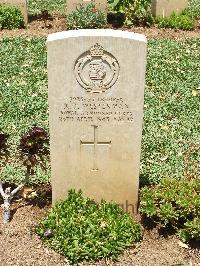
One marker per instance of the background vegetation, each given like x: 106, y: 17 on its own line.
x: 59, y: 6
x: 10, y: 17
x: 126, y: 12
x: 174, y: 21
x: 86, y: 17
x: 171, y: 113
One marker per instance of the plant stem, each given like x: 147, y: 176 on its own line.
x: 8, y: 196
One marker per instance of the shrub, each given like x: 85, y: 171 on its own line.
x: 191, y: 230
x: 181, y: 21
x: 86, y: 17
x: 10, y: 18
x: 175, y: 203
x: 136, y: 12
x: 81, y: 229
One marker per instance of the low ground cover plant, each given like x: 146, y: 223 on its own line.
x: 171, y: 110
x: 10, y: 17
x: 174, y: 203
x: 81, y: 229
x: 52, y: 6
x: 193, y: 9
x: 190, y: 230
x: 86, y: 17
x: 182, y: 21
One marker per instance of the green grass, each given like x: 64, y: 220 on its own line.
x: 53, y: 6
x: 172, y: 113
x: 23, y: 94
x: 193, y: 9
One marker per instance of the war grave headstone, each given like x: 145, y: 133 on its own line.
x: 72, y: 5
x: 165, y: 8
x: 96, y: 90
x: 21, y: 4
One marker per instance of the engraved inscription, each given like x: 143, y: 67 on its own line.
x: 95, y: 143
x: 96, y: 70
x: 96, y: 110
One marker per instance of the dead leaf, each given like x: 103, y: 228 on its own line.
x: 164, y: 158
x: 164, y: 127
x: 194, y: 93
x: 183, y: 245
x: 32, y: 195
x: 26, y: 192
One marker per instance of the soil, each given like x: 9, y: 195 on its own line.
x: 19, y: 246
x: 40, y: 26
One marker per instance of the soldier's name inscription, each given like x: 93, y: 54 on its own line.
x: 101, y: 109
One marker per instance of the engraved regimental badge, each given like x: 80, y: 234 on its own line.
x: 96, y: 70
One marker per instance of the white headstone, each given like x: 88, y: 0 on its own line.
x: 96, y: 90
x: 165, y: 8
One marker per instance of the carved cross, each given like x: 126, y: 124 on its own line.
x: 95, y: 143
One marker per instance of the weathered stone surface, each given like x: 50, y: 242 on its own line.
x: 73, y: 4
x: 21, y: 4
x: 165, y: 8
x: 96, y: 89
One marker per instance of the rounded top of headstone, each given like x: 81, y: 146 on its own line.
x: 96, y: 33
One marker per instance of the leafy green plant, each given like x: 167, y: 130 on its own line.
x: 10, y: 17
x: 86, y: 17
x: 175, y: 203
x: 190, y: 231
x: 181, y: 21
x: 136, y: 12
x: 81, y: 229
